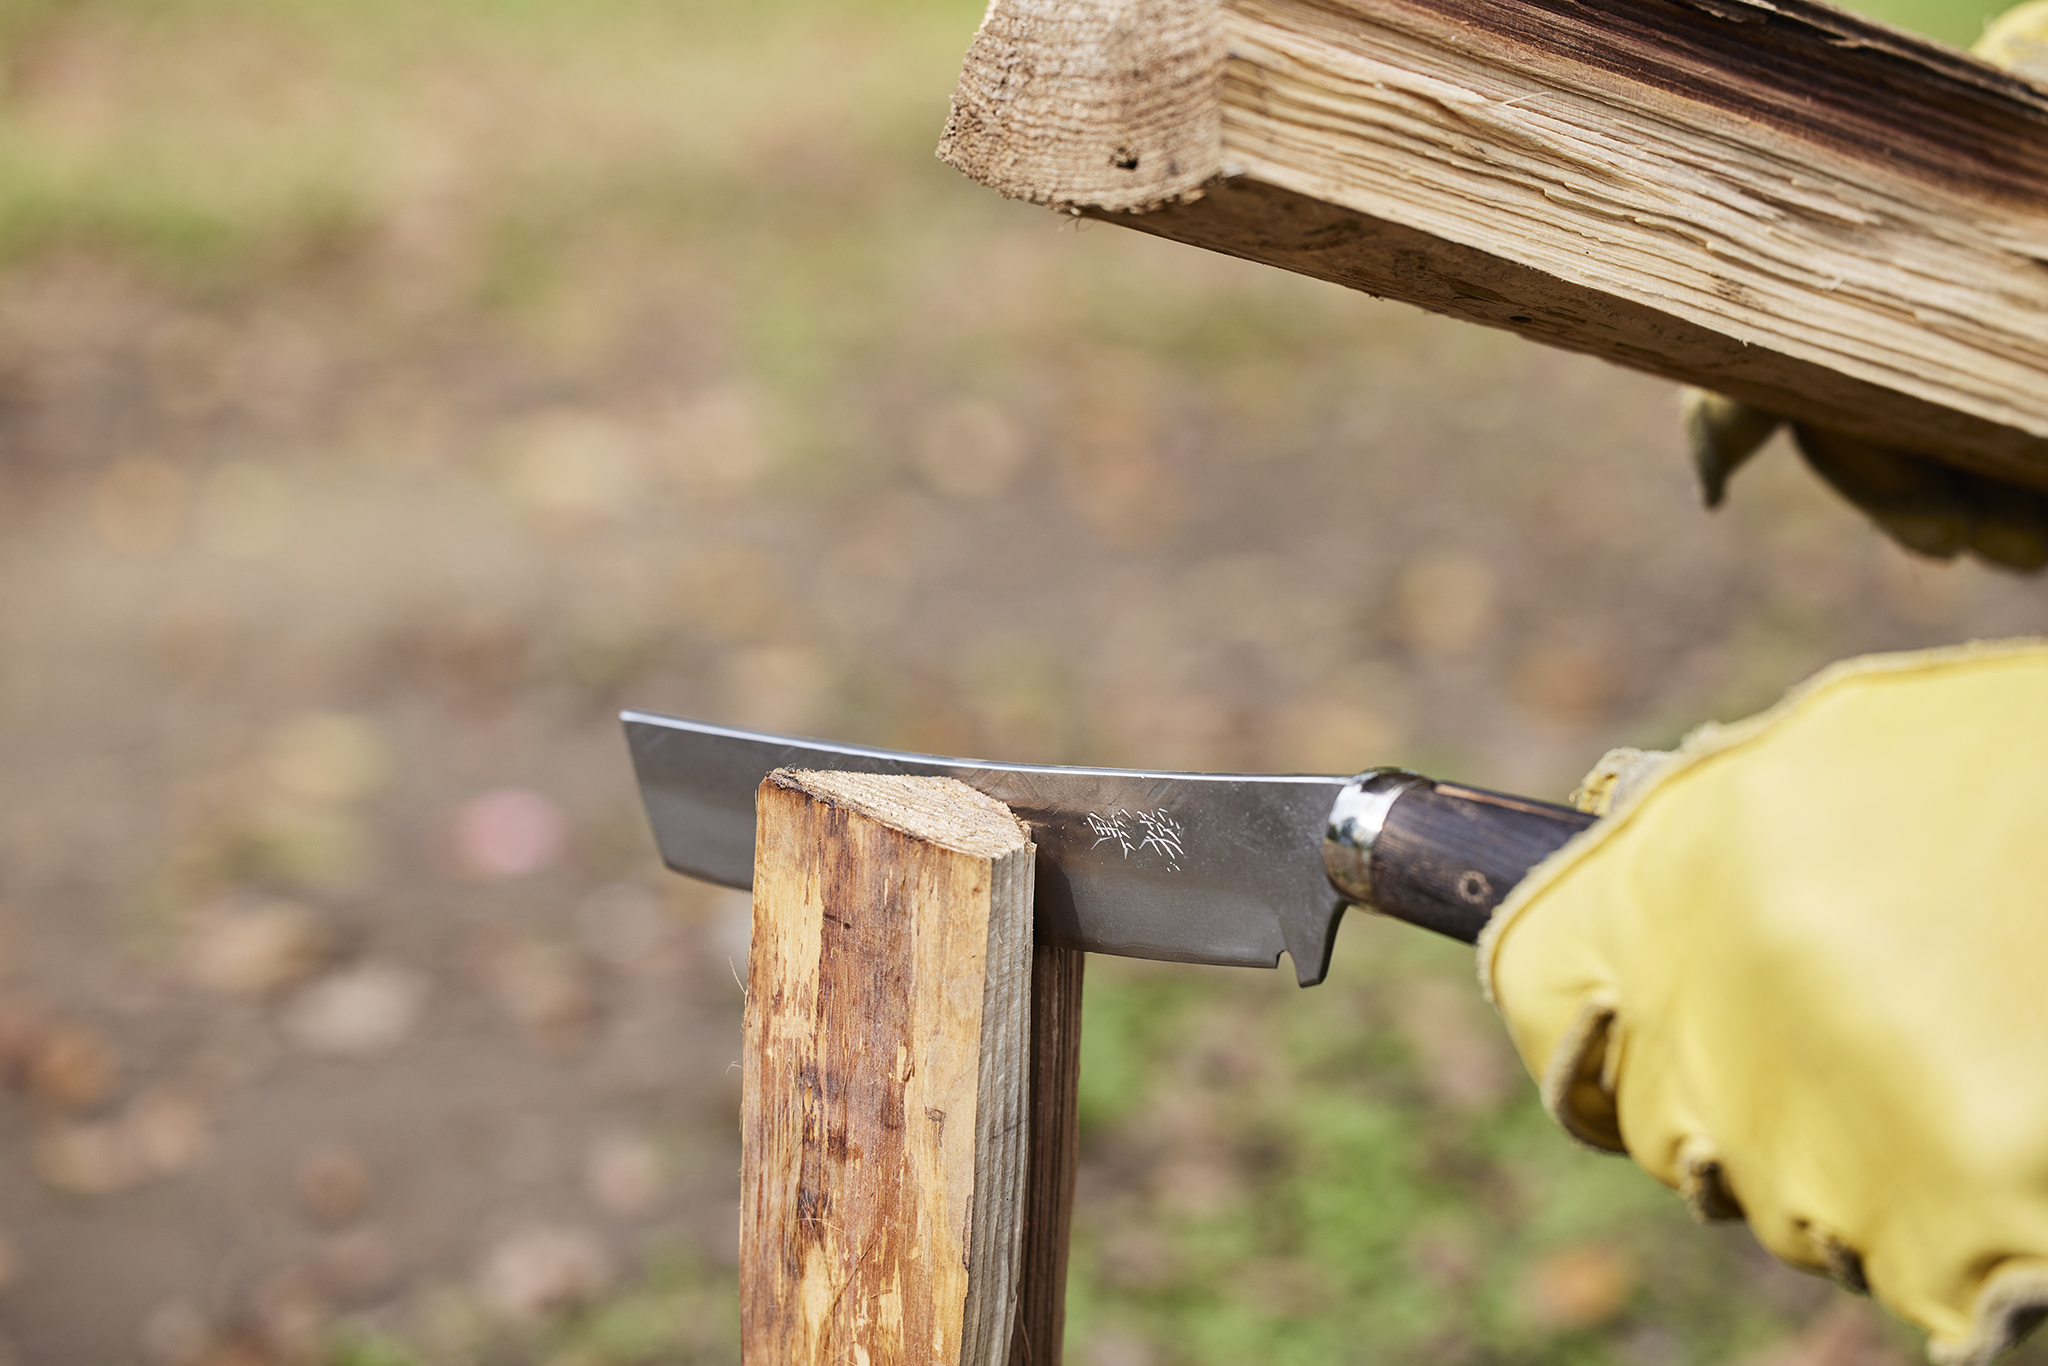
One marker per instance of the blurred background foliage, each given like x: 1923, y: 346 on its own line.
x: 391, y: 391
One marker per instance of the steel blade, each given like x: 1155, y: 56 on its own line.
x: 1192, y: 867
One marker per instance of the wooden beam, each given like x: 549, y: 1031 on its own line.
x: 1771, y: 198
x: 884, y: 1125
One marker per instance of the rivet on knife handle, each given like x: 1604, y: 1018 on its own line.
x: 1435, y: 854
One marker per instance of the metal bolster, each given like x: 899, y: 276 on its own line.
x: 1356, y: 819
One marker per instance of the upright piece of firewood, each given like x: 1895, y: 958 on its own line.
x: 1772, y: 198
x: 884, y: 1125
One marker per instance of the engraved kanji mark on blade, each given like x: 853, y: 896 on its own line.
x: 1138, y: 832
x: 1109, y: 829
x: 1163, y: 835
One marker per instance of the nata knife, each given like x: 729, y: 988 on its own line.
x: 1227, y: 868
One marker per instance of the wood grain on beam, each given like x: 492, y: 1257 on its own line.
x: 884, y: 1124
x: 1772, y: 198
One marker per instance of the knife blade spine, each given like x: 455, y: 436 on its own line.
x: 958, y: 765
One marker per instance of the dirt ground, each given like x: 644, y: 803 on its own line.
x: 387, y: 398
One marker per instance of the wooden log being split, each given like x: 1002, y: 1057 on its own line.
x: 889, y: 1160
x: 1772, y: 198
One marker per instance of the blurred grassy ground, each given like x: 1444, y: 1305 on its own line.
x: 1952, y: 21
x: 389, y: 392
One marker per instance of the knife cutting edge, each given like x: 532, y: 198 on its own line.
x: 1224, y: 868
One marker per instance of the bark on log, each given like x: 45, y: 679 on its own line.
x: 885, y: 1132
x: 1772, y: 198
x: 1055, y: 1155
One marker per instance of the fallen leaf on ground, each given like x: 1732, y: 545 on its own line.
x: 359, y: 1012
x: 1577, y: 1287
x: 1446, y: 1257
x: 175, y: 1333
x: 1444, y: 602
x: 625, y: 1175
x: 138, y: 505
x: 72, y: 1066
x: 1117, y: 1348
x: 290, y: 1315
x: 333, y: 1184
x: 21, y: 1029
x: 625, y: 927
x: 507, y: 832
x: 1136, y: 1258
x: 1848, y: 1332
x: 360, y: 1264
x: 1563, y: 686
x: 166, y: 1131
x: 87, y: 1159
x: 328, y: 757
x: 256, y: 950
x: 545, y: 987
x: 536, y: 1271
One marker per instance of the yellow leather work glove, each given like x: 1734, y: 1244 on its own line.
x: 2017, y: 41
x: 1918, y: 501
x: 1800, y: 973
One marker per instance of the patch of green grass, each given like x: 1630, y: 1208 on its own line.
x: 360, y: 1347
x: 223, y: 137
x: 1361, y: 1216
x: 1952, y: 21
x: 679, y: 1313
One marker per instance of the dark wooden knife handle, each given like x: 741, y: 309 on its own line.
x: 1447, y: 855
